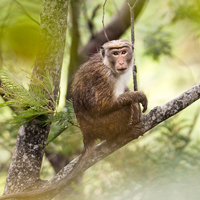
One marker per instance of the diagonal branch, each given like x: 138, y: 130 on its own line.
x: 148, y: 121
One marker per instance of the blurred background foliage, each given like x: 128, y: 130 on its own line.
x: 164, y: 164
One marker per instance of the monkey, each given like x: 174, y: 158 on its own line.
x: 104, y: 106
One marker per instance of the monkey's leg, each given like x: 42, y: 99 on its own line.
x: 89, y: 144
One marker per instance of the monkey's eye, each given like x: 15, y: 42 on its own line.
x: 115, y: 53
x: 124, y: 52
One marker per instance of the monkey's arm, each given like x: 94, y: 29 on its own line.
x: 128, y: 98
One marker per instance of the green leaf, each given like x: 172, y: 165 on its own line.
x: 35, y: 102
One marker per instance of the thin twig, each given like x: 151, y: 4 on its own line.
x: 133, y: 43
x: 103, y: 21
x: 132, y: 22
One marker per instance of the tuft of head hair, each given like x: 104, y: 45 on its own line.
x: 116, y: 44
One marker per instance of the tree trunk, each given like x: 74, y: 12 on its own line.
x: 27, y: 158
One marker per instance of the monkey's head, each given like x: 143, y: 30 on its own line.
x: 117, y: 55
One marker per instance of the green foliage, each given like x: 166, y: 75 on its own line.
x: 64, y: 119
x: 19, y: 30
x: 184, y: 9
x: 37, y: 102
x: 157, y: 43
x: 27, y: 104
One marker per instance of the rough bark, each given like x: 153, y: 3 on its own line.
x: 27, y: 158
x: 63, y: 178
x: 53, y: 35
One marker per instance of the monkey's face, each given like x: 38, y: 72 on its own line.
x: 118, y: 59
x: 117, y: 55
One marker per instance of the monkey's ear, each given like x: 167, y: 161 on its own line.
x: 102, y: 51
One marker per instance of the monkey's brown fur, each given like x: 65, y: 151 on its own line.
x: 100, y: 113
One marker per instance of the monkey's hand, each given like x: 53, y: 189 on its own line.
x: 143, y: 100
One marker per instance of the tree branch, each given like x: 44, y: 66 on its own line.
x: 103, y: 21
x: 148, y: 121
x: 133, y: 43
x: 53, y: 36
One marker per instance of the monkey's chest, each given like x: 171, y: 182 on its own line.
x: 119, y: 88
x: 121, y: 83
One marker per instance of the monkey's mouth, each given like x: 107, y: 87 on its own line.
x: 122, y: 69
